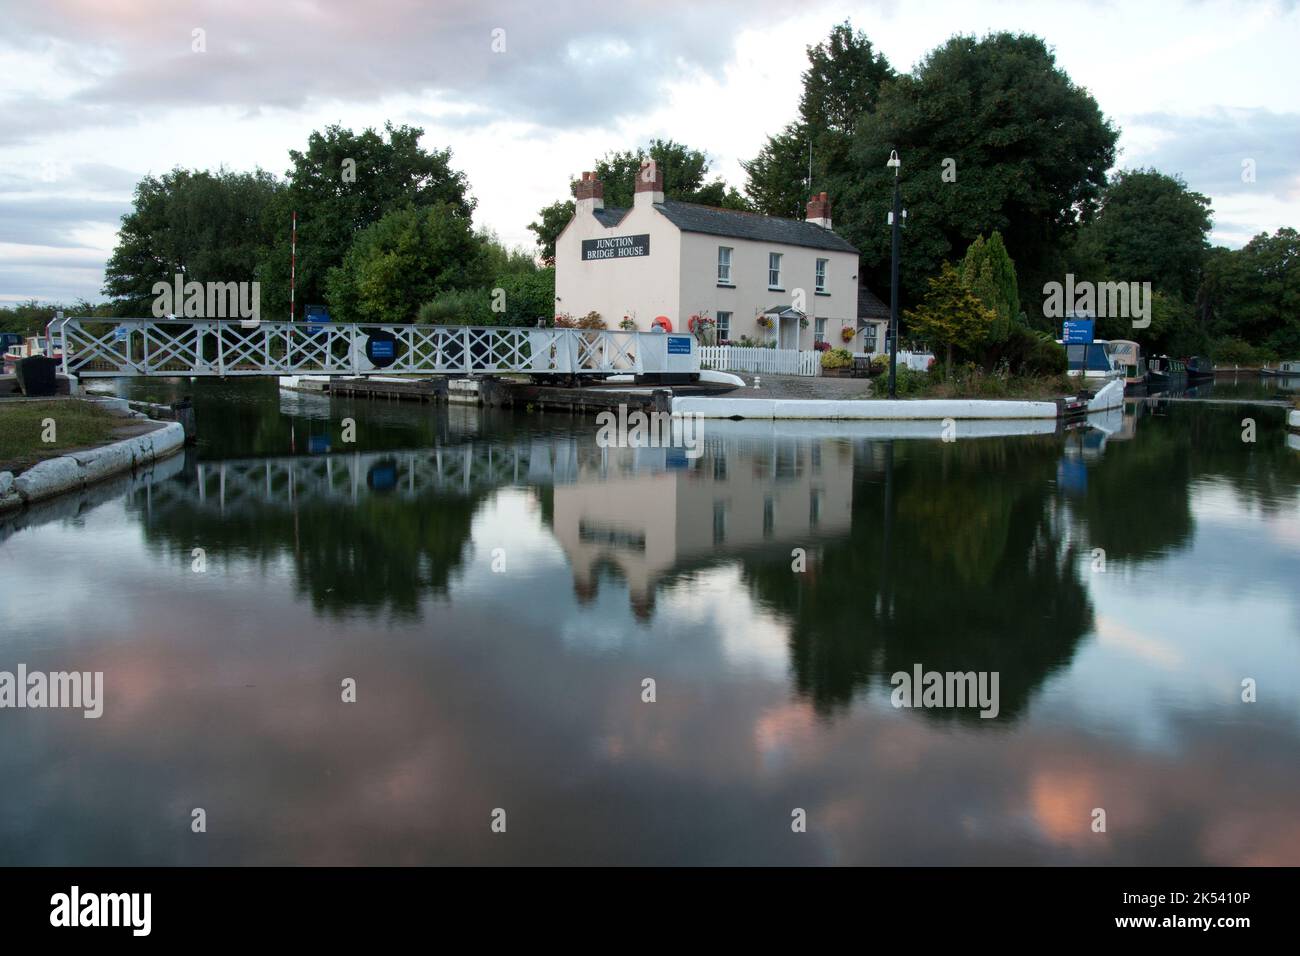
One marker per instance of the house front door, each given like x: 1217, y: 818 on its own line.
x: 788, y: 337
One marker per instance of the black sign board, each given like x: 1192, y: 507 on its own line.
x: 615, y: 247
x: 381, y: 348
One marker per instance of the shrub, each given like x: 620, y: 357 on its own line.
x: 837, y: 358
x: 1230, y: 351
x: 458, y: 307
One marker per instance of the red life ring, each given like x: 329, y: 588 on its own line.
x: 663, y: 322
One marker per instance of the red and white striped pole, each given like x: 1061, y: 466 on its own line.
x: 293, y: 261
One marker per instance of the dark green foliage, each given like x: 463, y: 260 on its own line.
x: 213, y: 227
x: 392, y: 171
x: 1253, y: 293
x: 403, y: 261
x: 1029, y: 150
x: 843, y: 82
x: 1150, y: 228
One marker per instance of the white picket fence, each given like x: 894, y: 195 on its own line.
x: 734, y: 358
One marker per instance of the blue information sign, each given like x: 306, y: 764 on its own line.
x: 1078, y: 332
x: 679, y: 345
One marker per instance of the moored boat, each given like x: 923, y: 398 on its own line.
x: 1199, y: 369
x: 1164, y: 372
x: 1284, y: 370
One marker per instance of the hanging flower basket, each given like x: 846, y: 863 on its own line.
x: 764, y: 321
x: 846, y: 334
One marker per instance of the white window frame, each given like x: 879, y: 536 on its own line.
x: 722, y: 329
x: 774, y: 284
x: 724, y: 278
x: 822, y: 266
x: 819, y: 329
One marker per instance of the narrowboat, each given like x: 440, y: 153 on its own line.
x: 1199, y: 369
x: 1284, y: 370
x: 1164, y: 372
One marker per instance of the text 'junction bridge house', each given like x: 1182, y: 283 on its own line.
x: 676, y: 259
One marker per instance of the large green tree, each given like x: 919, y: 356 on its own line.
x: 402, y: 261
x: 1149, y: 228
x: 1252, y: 294
x: 843, y: 82
x: 992, y: 135
x: 210, y: 226
x: 339, y: 185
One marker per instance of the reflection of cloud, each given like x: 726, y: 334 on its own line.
x: 1115, y: 633
x: 1062, y: 803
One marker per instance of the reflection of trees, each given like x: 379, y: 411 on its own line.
x: 382, y: 553
x: 967, y: 570
x: 1138, y: 501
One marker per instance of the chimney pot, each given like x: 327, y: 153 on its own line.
x: 590, y: 188
x: 819, y: 211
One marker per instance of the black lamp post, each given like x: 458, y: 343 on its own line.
x: 894, y: 218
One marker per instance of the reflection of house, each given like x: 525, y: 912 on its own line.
x: 676, y: 259
x: 647, y: 521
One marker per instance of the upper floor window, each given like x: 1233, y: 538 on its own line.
x: 821, y: 275
x: 724, y: 265
x: 774, y: 270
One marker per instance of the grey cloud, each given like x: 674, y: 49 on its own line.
x: 565, y: 64
x: 1208, y: 150
x: 50, y: 221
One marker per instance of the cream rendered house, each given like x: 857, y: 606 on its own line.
x: 663, y: 261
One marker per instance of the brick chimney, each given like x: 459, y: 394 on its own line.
x: 819, y: 211
x: 589, y: 193
x: 649, y: 184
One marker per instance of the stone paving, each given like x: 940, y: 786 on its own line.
x: 800, y: 387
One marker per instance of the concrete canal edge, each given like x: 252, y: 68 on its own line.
x: 74, y: 471
x: 1293, y: 420
x: 912, y: 409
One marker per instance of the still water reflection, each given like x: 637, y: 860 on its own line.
x: 499, y: 587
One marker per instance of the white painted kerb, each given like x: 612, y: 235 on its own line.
x: 74, y: 471
x: 865, y: 409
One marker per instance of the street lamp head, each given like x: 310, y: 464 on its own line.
x: 894, y: 161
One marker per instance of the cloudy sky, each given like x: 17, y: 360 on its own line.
x: 96, y: 93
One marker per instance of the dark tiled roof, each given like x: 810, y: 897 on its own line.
x: 690, y: 217
x: 869, y: 306
x: 609, y: 217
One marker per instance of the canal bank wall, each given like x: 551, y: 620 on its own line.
x: 77, y: 470
x: 908, y: 409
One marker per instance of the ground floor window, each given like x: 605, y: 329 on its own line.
x: 724, y: 327
x: 869, y: 337
x: 819, y: 330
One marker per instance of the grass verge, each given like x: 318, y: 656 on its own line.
x: 24, y: 426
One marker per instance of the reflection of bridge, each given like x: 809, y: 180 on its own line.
x: 458, y: 470
x: 169, y: 347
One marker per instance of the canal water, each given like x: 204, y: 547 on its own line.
x: 499, y: 591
